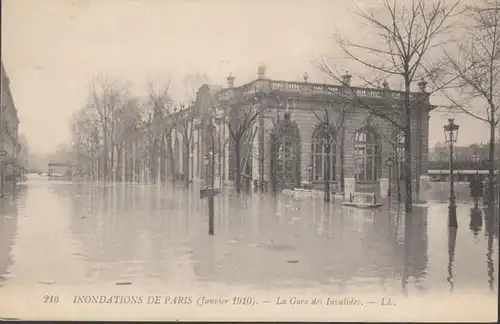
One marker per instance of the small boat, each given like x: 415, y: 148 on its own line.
x: 363, y: 205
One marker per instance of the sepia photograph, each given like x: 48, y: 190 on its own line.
x: 250, y: 160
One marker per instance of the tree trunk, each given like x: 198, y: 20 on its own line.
x: 491, y: 164
x: 408, y: 171
x: 342, y: 158
x: 162, y: 161
x: 171, y: 158
x: 274, y: 163
x: 237, y: 153
x: 407, y: 144
x: 326, y: 196
x: 185, y: 164
x: 398, y: 179
x: 119, y: 165
x: 418, y: 154
x: 112, y: 163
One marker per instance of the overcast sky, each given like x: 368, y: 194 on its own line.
x: 52, y: 49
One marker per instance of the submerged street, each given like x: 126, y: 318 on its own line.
x: 61, y: 234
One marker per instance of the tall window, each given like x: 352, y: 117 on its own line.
x: 323, y: 153
x: 288, y: 154
x: 365, y: 145
x: 400, y: 155
x: 286, y: 160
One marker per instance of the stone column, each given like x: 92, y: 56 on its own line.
x: 123, y: 163
x: 349, y: 162
x: 384, y: 187
x: 226, y: 150
x: 180, y: 153
x: 349, y: 185
x: 268, y: 127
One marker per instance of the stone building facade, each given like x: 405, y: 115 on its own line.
x: 306, y: 133
x: 9, y: 124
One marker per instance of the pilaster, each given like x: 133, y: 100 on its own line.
x: 384, y: 187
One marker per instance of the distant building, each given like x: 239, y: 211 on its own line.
x: 9, y: 123
x: 301, y: 138
x: 441, y: 152
x: 467, y: 161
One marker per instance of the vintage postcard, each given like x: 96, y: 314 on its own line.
x: 265, y: 160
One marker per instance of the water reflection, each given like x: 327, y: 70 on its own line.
x: 491, y: 220
x: 452, y: 239
x: 283, y: 245
x: 159, y: 235
x: 8, y: 232
x: 476, y: 221
x: 414, y: 246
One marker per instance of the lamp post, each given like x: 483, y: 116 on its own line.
x: 389, y: 163
x: 310, y: 169
x: 451, y: 135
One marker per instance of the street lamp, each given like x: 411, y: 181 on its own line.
x: 310, y: 169
x: 451, y: 135
x: 389, y: 163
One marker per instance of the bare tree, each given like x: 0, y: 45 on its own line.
x: 331, y: 129
x: 183, y: 122
x: 162, y: 104
x: 106, y: 98
x: 404, y: 36
x: 125, y: 130
x: 475, y: 66
x: 84, y: 155
x: 241, y: 130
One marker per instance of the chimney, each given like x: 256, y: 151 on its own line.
x: 230, y: 81
x: 346, y: 79
x: 261, y: 72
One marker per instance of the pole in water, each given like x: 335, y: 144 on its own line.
x: 211, y: 215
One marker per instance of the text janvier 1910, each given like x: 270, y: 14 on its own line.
x: 230, y: 301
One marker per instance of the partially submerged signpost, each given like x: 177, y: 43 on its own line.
x: 209, y: 192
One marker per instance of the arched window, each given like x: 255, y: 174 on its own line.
x: 366, y: 150
x: 323, y: 153
x: 286, y: 148
x: 400, y: 155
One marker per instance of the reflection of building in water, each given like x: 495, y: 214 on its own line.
x: 286, y: 247
x: 491, y: 229
x: 476, y: 221
x: 414, y: 244
x: 8, y: 230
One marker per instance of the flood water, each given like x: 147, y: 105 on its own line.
x: 84, y: 237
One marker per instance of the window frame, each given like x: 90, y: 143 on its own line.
x: 367, y: 155
x: 322, y: 136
